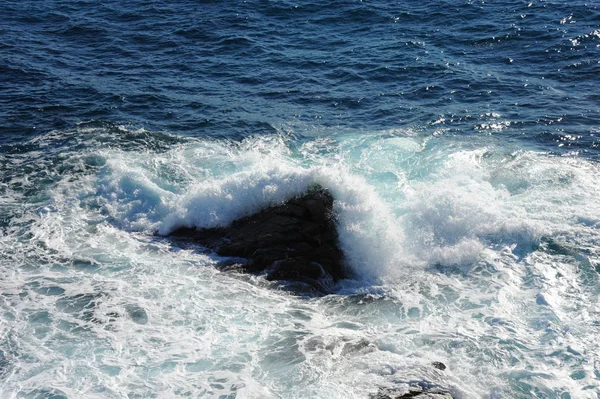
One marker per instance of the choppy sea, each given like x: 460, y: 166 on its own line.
x: 460, y: 140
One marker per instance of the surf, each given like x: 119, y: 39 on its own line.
x: 454, y: 248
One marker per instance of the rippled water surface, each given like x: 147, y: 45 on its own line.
x: 458, y: 138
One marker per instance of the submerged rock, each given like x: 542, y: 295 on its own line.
x: 296, y: 241
x: 439, y: 365
x: 413, y: 392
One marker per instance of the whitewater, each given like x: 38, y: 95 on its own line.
x: 459, y: 140
x: 476, y: 254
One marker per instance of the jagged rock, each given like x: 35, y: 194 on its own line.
x: 439, y: 365
x: 413, y: 392
x: 296, y: 241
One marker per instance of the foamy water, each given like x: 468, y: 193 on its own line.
x: 475, y: 254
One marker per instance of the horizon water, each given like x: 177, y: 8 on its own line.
x: 458, y: 139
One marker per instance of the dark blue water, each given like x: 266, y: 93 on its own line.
x: 459, y: 139
x: 233, y: 69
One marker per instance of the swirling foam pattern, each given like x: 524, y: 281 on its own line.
x: 458, y: 138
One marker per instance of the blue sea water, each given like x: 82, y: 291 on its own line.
x: 460, y: 140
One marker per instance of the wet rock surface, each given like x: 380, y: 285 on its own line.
x: 413, y: 392
x: 439, y: 365
x: 296, y: 241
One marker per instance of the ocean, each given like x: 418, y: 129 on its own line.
x: 460, y: 140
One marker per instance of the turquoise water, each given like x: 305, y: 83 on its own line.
x: 459, y: 140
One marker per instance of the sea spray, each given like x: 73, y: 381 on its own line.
x: 475, y: 257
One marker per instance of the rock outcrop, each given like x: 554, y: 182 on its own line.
x: 413, y: 392
x: 296, y: 241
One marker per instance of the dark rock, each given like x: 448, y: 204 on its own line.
x: 439, y: 365
x: 295, y: 269
x: 296, y: 241
x: 413, y: 392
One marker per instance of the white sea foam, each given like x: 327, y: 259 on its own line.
x: 449, y: 215
x: 480, y: 257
